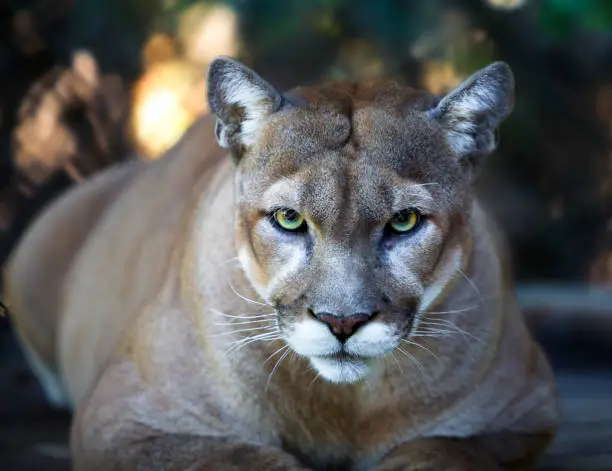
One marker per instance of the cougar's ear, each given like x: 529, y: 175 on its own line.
x: 241, y: 100
x: 471, y: 113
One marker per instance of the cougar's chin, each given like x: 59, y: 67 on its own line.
x: 341, y: 368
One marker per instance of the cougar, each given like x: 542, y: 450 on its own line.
x: 305, y: 281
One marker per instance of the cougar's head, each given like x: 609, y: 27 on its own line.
x: 352, y: 202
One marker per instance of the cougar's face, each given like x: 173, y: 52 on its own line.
x: 353, y: 201
x: 350, y: 227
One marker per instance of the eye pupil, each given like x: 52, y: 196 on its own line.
x: 402, y: 216
x: 290, y: 215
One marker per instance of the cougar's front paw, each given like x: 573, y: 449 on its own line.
x: 437, y: 467
x: 438, y: 454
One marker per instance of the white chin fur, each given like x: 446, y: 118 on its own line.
x: 340, y: 371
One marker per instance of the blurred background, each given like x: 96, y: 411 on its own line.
x: 86, y: 84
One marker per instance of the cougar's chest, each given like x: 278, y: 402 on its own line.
x: 340, y: 427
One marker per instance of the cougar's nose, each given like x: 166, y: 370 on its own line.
x: 343, y: 326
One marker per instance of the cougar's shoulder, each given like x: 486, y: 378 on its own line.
x: 132, y: 252
x: 36, y: 272
x: 103, y: 227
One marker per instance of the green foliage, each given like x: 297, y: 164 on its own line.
x: 561, y: 19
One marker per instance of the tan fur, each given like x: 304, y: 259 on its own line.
x: 149, y: 272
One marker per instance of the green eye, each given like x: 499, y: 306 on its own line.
x: 405, y: 221
x: 289, y: 220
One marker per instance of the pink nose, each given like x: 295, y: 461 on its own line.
x: 343, y: 326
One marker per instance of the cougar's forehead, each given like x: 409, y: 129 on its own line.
x: 358, y: 140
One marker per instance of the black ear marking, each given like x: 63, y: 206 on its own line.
x: 241, y: 100
x: 472, y: 112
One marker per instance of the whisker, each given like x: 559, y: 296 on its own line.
x: 244, y: 316
x: 453, y: 311
x: 316, y: 377
x: 414, y: 359
x: 447, y: 323
x: 416, y: 344
x: 239, y: 344
x: 435, y: 335
x: 472, y: 284
x: 283, y: 356
x: 434, y: 330
x: 275, y: 353
x: 438, y: 322
x: 269, y: 321
x: 240, y: 347
x: 244, y: 298
x: 399, y: 366
x: 431, y: 330
x: 229, y: 260
x: 256, y: 338
x: 231, y: 332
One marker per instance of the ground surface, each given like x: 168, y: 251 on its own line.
x: 34, y: 438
